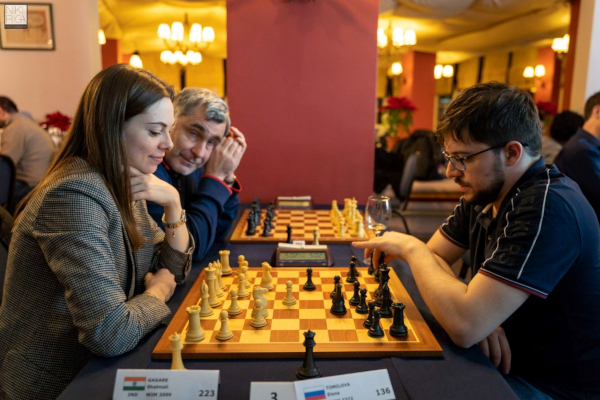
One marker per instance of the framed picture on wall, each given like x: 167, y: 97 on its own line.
x: 38, y: 33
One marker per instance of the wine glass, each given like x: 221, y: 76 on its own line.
x: 377, y: 215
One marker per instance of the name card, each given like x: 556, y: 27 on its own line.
x: 299, y: 242
x: 372, y: 385
x: 272, y: 391
x: 166, y: 383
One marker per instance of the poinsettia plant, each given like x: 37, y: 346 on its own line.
x: 57, y: 120
x: 548, y: 111
x: 397, y: 111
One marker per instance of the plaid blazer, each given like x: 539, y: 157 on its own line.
x: 73, y: 284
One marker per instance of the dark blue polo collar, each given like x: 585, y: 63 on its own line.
x: 591, y: 139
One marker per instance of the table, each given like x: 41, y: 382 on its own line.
x: 459, y: 374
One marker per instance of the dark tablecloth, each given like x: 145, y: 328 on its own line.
x: 459, y: 374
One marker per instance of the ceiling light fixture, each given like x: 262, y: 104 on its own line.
x: 101, y: 36
x: 391, y: 39
x: 184, y: 51
x: 135, y: 60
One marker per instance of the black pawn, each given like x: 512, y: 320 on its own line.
x: 266, y: 229
x: 251, y: 226
x: 289, y: 234
x: 353, y: 260
x: 352, y: 273
x: 362, y: 307
x: 386, y: 302
x: 309, y: 285
x: 355, y: 300
x: 371, y: 269
x: 369, y: 321
x: 338, y: 307
x: 257, y: 215
x: 398, y: 329
x: 336, y: 281
x: 377, y: 291
x: 375, y: 330
x: 308, y: 370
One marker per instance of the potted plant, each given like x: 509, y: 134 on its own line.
x: 397, y: 117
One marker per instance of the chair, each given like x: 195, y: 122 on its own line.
x: 408, y: 176
x: 7, y: 182
x: 6, y: 224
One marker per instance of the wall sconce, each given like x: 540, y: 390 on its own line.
x: 538, y: 73
x: 396, y: 69
x: 135, y: 60
x: 446, y: 71
x: 101, y: 36
x: 561, y: 45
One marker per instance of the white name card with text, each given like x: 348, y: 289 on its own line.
x: 166, y: 384
x: 272, y: 391
x: 371, y: 385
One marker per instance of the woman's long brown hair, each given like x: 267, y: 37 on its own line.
x: 114, y: 95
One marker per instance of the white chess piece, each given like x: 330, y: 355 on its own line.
x: 258, y: 320
x: 241, y: 292
x: 225, y: 262
x: 289, y: 299
x: 176, y: 346
x: 212, y: 295
x: 241, y: 260
x: 316, y: 236
x: 234, y: 308
x: 258, y: 294
x: 267, y: 280
x: 360, y: 229
x: 245, y: 272
x: 205, y: 309
x: 195, y: 332
x: 218, y: 283
x: 224, y: 332
x: 342, y: 229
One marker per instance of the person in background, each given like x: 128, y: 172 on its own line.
x: 88, y: 270
x: 201, y: 166
x: 580, y: 157
x: 27, y: 144
x: 565, y: 125
x: 533, y: 305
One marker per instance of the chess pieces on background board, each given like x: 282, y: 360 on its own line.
x: 316, y: 236
x: 289, y: 234
x: 308, y: 370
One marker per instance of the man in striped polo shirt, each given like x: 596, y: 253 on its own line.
x: 533, y: 304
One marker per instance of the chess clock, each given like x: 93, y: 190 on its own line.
x: 294, y: 203
x: 287, y: 255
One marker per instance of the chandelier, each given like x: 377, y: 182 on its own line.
x: 561, y: 45
x: 392, y: 39
x: 184, y: 51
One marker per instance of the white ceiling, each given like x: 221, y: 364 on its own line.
x: 455, y: 29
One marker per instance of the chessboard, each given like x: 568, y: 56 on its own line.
x: 336, y: 336
x: 303, y: 224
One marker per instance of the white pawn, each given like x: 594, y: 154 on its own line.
x: 342, y: 229
x: 218, y: 283
x: 176, y: 346
x: 360, y: 229
x: 257, y: 294
x: 234, y: 309
x: 195, y: 332
x: 212, y: 295
x: 316, y: 236
x: 241, y: 292
x: 267, y: 280
x: 205, y: 309
x: 224, y: 332
x: 258, y: 320
x: 289, y: 299
x: 245, y: 272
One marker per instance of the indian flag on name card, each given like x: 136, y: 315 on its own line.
x: 134, y: 383
x: 315, y: 393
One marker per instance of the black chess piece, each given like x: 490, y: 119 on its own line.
x: 398, y: 329
x: 355, y: 300
x: 257, y: 215
x: 352, y: 273
x: 251, y: 226
x: 353, y: 259
x: 377, y: 291
x: 386, y: 302
x: 308, y: 370
x: 336, y: 281
x: 375, y: 330
x: 362, y: 306
x: 266, y: 229
x: 369, y: 321
x: 269, y: 219
x: 309, y: 285
x: 289, y: 234
x: 338, y: 306
x: 385, y: 277
x: 371, y: 269
x: 377, y: 272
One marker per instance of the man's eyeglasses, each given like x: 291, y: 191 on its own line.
x: 459, y: 162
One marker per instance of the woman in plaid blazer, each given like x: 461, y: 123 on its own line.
x: 89, y: 271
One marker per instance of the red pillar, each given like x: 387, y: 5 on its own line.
x: 568, y: 85
x: 301, y: 86
x: 111, y: 53
x: 418, y: 84
x: 545, y: 85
